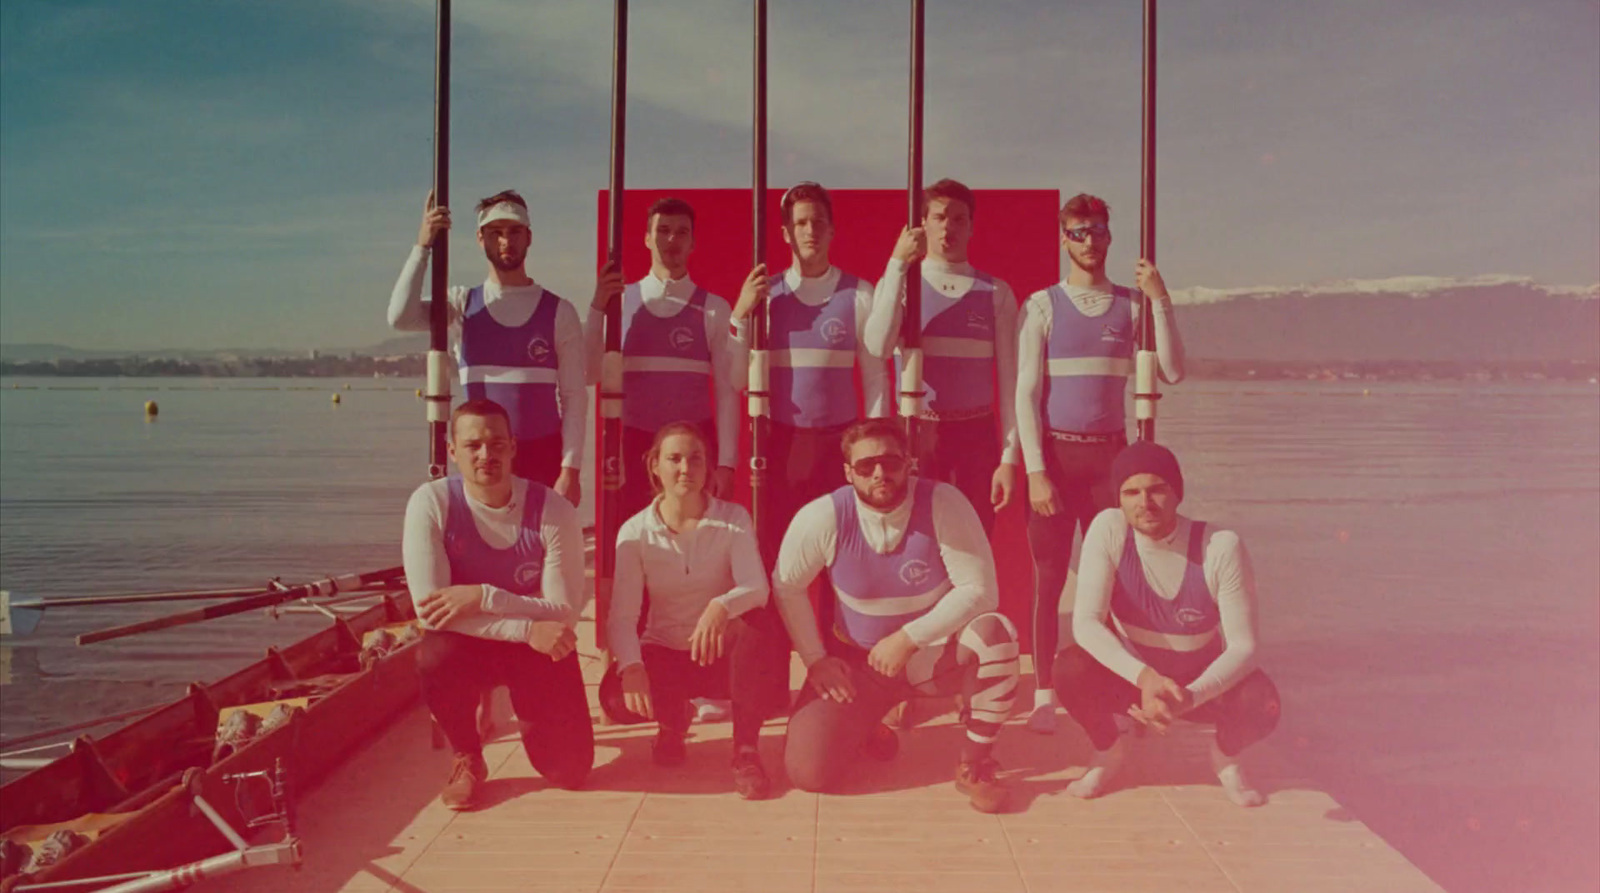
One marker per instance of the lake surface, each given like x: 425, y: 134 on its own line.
x: 1428, y: 559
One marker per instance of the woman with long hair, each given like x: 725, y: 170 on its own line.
x: 693, y: 558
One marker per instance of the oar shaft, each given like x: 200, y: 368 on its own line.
x: 759, y: 395
x: 1145, y: 391
x: 612, y: 467
x: 238, y: 606
x: 438, y: 391
x: 911, y: 390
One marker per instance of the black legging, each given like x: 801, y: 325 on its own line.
x: 743, y: 674
x: 1079, y: 472
x: 964, y: 454
x: 548, y: 697
x: 1093, y: 695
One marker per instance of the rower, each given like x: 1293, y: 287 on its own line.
x: 815, y: 337
x: 969, y: 323
x: 516, y: 342
x: 495, y: 567
x: 696, y: 556
x: 677, y: 354
x: 1165, y: 622
x: 914, y: 599
x: 1074, y: 357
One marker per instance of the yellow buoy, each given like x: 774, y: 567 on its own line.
x: 336, y: 398
x: 347, y: 386
x: 151, y: 409
x: 1366, y: 392
x: 419, y: 391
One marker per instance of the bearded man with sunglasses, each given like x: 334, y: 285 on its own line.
x: 1074, y: 357
x: 914, y: 605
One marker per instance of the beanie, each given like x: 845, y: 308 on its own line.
x: 1146, y: 457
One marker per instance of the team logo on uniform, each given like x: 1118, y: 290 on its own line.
x: 538, y: 350
x: 1109, y: 332
x: 834, y: 331
x: 978, y: 320
x: 915, y: 572
x: 527, y: 575
x: 1191, y: 616
x: 681, y: 338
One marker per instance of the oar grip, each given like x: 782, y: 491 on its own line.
x: 438, y: 386
x: 911, y: 382
x: 1144, y: 385
x: 611, y: 385
x: 759, y: 389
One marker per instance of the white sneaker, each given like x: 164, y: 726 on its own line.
x: 1043, y: 719
x: 708, y: 710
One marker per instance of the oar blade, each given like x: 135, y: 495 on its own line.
x: 18, y: 619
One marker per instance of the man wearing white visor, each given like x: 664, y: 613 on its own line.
x: 516, y: 342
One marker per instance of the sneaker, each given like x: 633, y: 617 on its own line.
x: 466, y: 773
x: 709, y: 710
x: 882, y: 743
x: 977, y: 780
x: 1042, y: 720
x: 669, y: 749
x: 749, y: 776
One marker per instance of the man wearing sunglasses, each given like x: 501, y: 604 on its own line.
x: 815, y: 339
x: 1074, y: 357
x: 969, y: 323
x: 517, y: 343
x: 913, y: 614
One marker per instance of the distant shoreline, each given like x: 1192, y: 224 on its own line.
x: 412, y: 368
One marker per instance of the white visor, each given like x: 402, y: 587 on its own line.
x: 503, y: 211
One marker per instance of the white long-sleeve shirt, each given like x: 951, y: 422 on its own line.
x: 814, y: 292
x: 665, y: 298
x: 506, y: 615
x: 717, y: 561
x: 1229, y: 577
x: 888, y: 309
x: 809, y: 547
x: 509, y: 306
x: 1033, y: 354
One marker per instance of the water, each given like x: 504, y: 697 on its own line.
x: 1428, y: 558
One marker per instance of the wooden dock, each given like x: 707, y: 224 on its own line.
x: 377, y: 825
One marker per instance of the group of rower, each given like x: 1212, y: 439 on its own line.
x: 1164, y: 619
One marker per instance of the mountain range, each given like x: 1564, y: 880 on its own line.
x: 1482, y: 319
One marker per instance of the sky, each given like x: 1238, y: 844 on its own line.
x: 243, y: 174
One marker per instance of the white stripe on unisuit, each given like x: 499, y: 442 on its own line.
x: 890, y: 607
x: 665, y: 364
x: 1169, y: 641
x: 812, y: 358
x: 1091, y: 366
x: 507, y: 375
x: 965, y: 348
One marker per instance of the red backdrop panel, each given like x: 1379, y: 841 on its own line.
x: 1014, y: 238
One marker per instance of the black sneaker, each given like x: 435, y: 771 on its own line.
x: 749, y: 776
x: 669, y: 749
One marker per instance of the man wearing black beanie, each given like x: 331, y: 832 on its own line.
x: 1165, y: 622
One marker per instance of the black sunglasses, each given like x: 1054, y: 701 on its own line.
x: 1082, y: 233
x: 893, y: 463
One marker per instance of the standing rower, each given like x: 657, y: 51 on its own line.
x: 969, y: 348
x: 516, y: 342
x: 676, y: 354
x: 495, y: 566
x: 1074, y: 357
x: 815, y: 337
x: 1165, y: 618
x: 914, y: 599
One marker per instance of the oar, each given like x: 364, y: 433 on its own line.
x: 327, y: 586
x: 610, y: 390
x: 78, y: 726
x: 758, y: 393
x: 438, y: 306
x: 911, y: 391
x: 1145, y: 390
x: 21, y: 618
